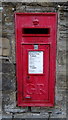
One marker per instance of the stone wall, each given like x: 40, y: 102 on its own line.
x: 9, y: 91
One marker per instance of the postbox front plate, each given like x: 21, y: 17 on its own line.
x: 35, y: 73
x: 35, y: 58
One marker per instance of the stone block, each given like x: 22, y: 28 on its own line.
x: 0, y: 51
x: 5, y: 52
x: 20, y: 8
x: 31, y: 115
x: 4, y: 47
x: 0, y: 81
x: 59, y: 114
x: 61, y: 45
x: 0, y: 46
x: 61, y: 56
x: 8, y: 100
x: 6, y: 116
x: 31, y: 118
x: 0, y: 101
x: 0, y: 70
x: 61, y: 81
x: 8, y: 82
x: 8, y: 68
x: 5, y: 43
x: 60, y: 69
x: 60, y: 99
x: 17, y: 110
x: 56, y: 118
x: 13, y: 49
x: 0, y: 116
x: 41, y: 110
x: 0, y: 42
x: 39, y: 9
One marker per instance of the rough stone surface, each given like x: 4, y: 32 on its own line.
x: 31, y: 115
x: 0, y: 81
x: 6, y: 116
x: 9, y: 101
x: 33, y: 1
x: 9, y: 84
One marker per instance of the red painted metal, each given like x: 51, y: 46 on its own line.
x: 35, y: 89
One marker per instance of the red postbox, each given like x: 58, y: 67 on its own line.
x: 35, y: 58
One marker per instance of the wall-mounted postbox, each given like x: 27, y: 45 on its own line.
x: 35, y: 58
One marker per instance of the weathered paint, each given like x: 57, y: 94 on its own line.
x: 36, y: 89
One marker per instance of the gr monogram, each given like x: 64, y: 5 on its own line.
x: 35, y: 89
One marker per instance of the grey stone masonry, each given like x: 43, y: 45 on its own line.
x: 10, y: 109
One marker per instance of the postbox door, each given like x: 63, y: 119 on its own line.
x: 35, y: 72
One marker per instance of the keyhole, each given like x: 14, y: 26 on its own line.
x: 28, y: 77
